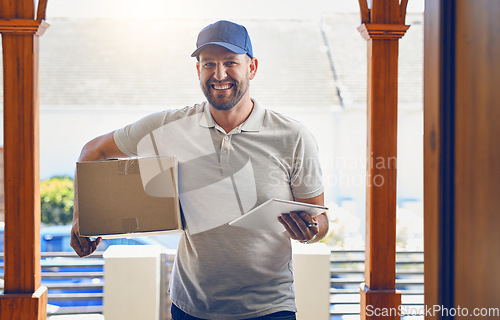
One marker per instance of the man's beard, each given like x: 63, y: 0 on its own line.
x: 220, y: 103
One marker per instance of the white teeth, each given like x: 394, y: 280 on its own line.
x: 222, y: 87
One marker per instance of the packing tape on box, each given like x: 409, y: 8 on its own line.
x: 130, y: 225
x: 128, y: 167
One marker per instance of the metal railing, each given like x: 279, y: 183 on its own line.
x: 75, y: 285
x: 74, y: 280
x: 347, y: 273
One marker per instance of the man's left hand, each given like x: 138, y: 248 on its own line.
x: 300, y: 225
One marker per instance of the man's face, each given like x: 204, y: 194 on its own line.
x: 224, y: 76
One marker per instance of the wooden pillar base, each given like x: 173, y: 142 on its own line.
x: 379, y: 304
x: 24, y: 306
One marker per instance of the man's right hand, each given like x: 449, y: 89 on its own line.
x: 83, y: 246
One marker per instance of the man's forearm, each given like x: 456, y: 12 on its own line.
x: 100, y: 148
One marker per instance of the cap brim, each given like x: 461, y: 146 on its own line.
x: 228, y: 46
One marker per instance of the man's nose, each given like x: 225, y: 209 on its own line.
x: 220, y: 72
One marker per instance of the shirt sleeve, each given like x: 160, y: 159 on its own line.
x: 306, y: 179
x: 128, y: 137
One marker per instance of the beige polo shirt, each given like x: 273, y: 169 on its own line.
x: 226, y: 272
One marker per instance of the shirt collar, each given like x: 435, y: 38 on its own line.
x: 252, y: 123
x: 206, y: 119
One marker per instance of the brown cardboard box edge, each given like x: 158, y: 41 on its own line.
x: 112, y: 202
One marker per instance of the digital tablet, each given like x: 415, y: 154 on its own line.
x: 265, y: 216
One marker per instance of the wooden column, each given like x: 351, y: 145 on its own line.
x: 382, y: 27
x: 439, y: 154
x: 461, y: 158
x: 24, y: 297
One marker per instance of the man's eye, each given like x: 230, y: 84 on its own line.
x: 229, y: 63
x: 208, y: 65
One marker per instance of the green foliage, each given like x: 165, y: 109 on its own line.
x: 57, y: 199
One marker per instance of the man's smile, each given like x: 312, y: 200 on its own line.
x: 222, y: 86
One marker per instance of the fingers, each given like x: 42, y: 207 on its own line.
x: 299, y: 225
x: 83, y: 246
x: 288, y: 229
x: 95, y: 243
x: 79, y: 246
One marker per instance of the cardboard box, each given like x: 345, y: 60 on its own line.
x: 128, y: 197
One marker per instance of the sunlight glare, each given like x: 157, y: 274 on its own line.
x: 138, y: 9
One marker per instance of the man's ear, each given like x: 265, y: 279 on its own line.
x: 198, y: 69
x: 254, y: 63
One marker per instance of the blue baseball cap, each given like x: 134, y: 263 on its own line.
x: 227, y: 34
